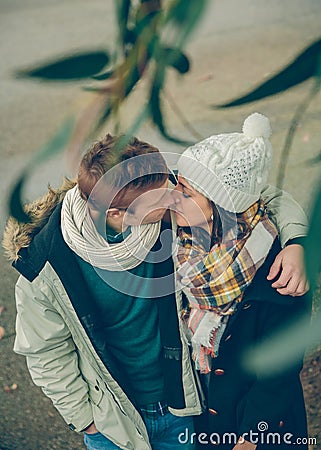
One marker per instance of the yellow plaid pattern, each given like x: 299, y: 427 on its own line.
x: 213, y: 281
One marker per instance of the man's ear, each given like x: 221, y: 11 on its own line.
x: 115, y: 213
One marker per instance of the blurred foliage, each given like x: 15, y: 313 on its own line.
x: 313, y: 245
x: 151, y: 37
x: 305, y: 66
x: 58, y: 142
x: 74, y: 67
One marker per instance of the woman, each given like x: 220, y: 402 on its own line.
x: 226, y: 244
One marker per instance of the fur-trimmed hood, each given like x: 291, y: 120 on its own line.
x: 19, y: 235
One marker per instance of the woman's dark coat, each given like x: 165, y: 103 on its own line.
x: 239, y: 401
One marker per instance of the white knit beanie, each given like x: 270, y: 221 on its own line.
x: 231, y: 168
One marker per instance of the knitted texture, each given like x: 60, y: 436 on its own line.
x: 82, y: 237
x: 231, y: 168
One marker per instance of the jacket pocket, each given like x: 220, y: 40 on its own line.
x: 95, y: 393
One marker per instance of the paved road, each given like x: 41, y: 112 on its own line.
x: 238, y: 43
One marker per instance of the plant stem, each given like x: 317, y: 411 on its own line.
x: 299, y: 113
x: 181, y: 116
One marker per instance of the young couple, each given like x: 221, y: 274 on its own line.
x: 135, y: 327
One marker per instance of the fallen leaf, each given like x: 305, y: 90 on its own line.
x: 2, y: 332
x: 206, y: 77
x: 10, y: 389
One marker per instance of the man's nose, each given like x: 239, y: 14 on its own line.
x: 168, y: 200
x: 175, y: 196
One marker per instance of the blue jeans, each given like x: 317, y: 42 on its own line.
x: 163, y: 432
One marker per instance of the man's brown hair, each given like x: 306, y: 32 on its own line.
x: 128, y: 173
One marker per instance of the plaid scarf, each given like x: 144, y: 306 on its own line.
x: 214, y: 281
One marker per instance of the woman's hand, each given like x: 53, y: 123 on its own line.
x: 289, y: 267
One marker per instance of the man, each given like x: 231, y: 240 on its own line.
x: 96, y: 311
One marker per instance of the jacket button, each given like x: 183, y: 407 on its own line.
x: 212, y: 411
x: 219, y: 372
x: 246, y: 306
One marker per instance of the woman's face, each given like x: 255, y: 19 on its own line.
x: 191, y: 208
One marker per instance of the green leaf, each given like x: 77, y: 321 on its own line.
x: 125, y: 138
x: 122, y: 13
x: 147, y: 21
x: 183, y: 12
x: 315, y: 160
x: 156, y: 112
x: 16, y: 209
x: 105, y: 75
x: 131, y: 80
x: 72, y: 67
x: 94, y: 89
x: 122, y: 10
x: 177, y: 59
x: 129, y: 83
x: 104, y: 116
x: 54, y: 146
x: 285, y: 348
x: 312, y: 243
x: 130, y: 37
x: 186, y: 15
x: 303, y: 67
x: 155, y: 108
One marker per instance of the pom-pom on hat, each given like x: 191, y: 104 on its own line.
x: 231, y: 168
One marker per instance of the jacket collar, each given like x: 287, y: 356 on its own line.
x: 49, y: 245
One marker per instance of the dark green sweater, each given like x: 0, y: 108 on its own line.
x: 130, y: 320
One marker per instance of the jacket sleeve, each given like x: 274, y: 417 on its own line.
x: 271, y: 395
x: 44, y: 338
x: 286, y: 213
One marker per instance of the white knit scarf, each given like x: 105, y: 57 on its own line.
x: 82, y: 237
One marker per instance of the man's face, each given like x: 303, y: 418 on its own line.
x: 149, y: 206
